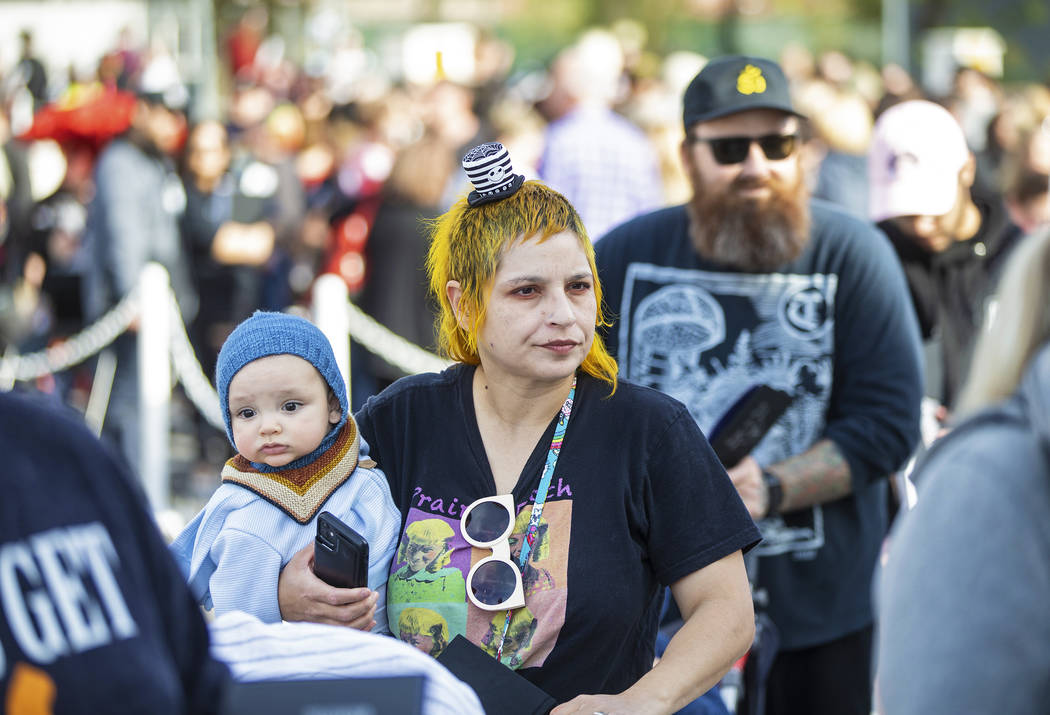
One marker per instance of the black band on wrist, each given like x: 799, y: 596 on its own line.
x: 775, y: 492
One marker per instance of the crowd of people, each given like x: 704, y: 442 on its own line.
x: 612, y: 258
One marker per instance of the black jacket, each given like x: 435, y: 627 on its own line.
x: 949, y: 289
x: 93, y: 608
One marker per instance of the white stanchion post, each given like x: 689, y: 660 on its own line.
x: 331, y: 314
x: 101, y: 389
x: 154, y: 337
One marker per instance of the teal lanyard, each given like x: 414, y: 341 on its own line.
x: 541, y: 498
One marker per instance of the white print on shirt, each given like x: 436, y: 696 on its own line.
x: 59, y: 592
x: 706, y: 337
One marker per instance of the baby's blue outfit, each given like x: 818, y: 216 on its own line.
x: 233, y: 551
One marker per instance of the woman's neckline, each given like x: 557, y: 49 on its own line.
x: 518, y: 404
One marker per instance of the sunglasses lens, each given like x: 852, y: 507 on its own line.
x: 486, y: 522
x: 778, y: 146
x: 493, y: 582
x: 731, y: 150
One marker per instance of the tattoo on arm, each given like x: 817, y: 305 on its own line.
x: 820, y: 474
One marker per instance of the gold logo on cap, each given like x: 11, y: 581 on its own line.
x: 750, y: 81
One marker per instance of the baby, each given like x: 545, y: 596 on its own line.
x: 298, y: 450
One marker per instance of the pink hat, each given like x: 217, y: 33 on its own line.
x: 917, y: 150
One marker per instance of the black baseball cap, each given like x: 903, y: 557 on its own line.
x: 735, y: 83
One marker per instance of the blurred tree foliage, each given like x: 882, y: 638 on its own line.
x: 717, y: 26
x: 539, y: 28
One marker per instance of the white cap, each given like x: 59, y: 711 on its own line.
x: 160, y: 79
x: 917, y: 150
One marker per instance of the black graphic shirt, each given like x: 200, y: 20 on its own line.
x: 836, y: 331
x: 637, y: 501
x: 94, y: 615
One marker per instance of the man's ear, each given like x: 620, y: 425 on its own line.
x: 968, y: 173
x: 454, y: 291
x: 683, y: 154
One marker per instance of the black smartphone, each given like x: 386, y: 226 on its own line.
x: 340, y: 553
x: 745, y: 423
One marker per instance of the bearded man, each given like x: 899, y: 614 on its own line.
x: 753, y: 283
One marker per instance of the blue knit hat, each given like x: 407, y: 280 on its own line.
x: 265, y: 334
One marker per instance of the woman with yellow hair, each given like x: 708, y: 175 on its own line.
x: 531, y: 418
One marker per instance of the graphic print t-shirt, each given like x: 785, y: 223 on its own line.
x: 637, y: 501
x: 834, y: 330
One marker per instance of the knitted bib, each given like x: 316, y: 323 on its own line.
x: 301, y: 492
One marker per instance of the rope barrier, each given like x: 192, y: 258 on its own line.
x: 161, y: 366
x: 188, y: 371
x: 372, y: 335
x: 402, y: 354
x: 75, y: 349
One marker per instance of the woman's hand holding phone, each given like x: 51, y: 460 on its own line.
x: 304, y: 597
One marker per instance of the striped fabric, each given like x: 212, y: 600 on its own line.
x: 489, y: 168
x: 295, y: 651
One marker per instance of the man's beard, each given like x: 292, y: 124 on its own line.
x: 756, y: 235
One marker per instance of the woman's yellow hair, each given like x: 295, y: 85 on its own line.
x: 466, y: 244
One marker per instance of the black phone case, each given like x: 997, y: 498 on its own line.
x: 340, y: 553
x: 746, y: 423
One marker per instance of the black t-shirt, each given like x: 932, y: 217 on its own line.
x: 949, y: 289
x: 92, y: 606
x: 637, y: 501
x: 834, y: 329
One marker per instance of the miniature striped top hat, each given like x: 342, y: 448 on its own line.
x: 491, y: 173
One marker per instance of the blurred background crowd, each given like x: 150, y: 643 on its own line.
x: 270, y: 143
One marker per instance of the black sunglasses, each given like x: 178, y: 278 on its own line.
x: 733, y: 150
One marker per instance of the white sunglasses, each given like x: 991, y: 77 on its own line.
x: 494, y: 583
